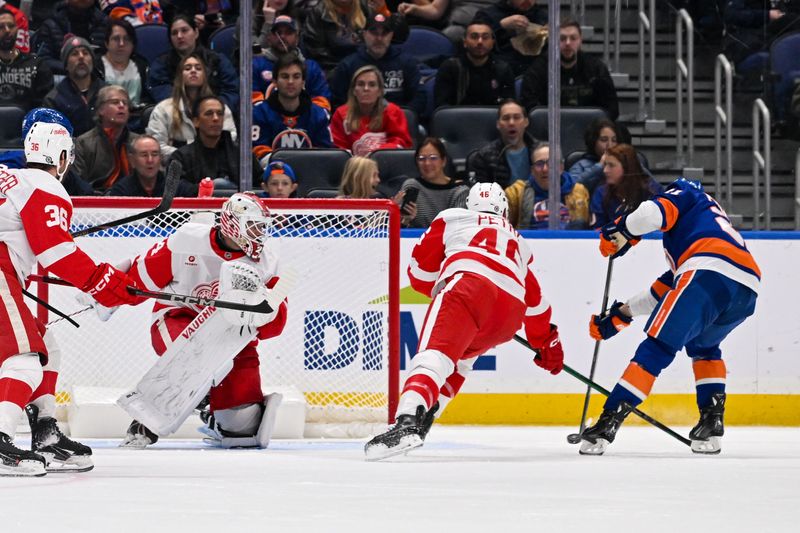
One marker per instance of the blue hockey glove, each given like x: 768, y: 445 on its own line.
x: 610, y: 323
x: 615, y: 239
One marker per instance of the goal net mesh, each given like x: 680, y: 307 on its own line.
x: 335, y: 347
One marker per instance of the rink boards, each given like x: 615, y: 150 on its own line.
x: 762, y: 355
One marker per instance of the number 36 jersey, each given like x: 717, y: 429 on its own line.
x: 35, y: 215
x: 460, y: 240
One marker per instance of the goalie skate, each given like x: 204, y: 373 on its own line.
x: 15, y: 462
x: 217, y: 436
x: 406, y: 434
x: 61, y: 454
x: 138, y: 437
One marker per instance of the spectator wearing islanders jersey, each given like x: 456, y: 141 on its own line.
x: 282, y: 40
x: 288, y: 118
x: 24, y: 78
x: 710, y: 288
x: 400, y: 70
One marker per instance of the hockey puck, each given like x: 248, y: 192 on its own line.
x: 573, y: 438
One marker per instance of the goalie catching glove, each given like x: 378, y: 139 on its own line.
x: 109, y: 286
x: 550, y: 355
x: 241, y: 283
x: 615, y: 239
x: 605, y: 326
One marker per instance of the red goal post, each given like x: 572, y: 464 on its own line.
x: 341, y: 344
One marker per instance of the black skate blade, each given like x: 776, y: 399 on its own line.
x: 379, y: 451
x: 68, y: 466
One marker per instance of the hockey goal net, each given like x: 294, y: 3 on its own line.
x: 341, y: 341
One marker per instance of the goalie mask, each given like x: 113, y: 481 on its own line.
x: 488, y: 198
x: 246, y: 221
x: 46, y: 142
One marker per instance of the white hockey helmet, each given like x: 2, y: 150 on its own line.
x: 46, y: 142
x: 488, y: 198
x: 246, y: 221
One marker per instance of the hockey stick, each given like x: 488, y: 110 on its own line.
x: 170, y: 188
x: 50, y: 308
x: 575, y: 438
x: 74, y: 313
x: 263, y: 307
x: 644, y: 416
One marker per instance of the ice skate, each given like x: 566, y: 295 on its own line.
x: 595, y: 439
x: 61, y: 453
x: 705, y: 436
x: 138, y: 437
x: 407, y: 433
x: 15, y: 462
x: 428, y: 420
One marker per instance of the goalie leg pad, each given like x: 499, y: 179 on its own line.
x: 170, y: 390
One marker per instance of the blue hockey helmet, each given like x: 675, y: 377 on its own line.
x: 44, y: 114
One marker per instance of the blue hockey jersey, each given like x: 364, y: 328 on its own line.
x: 697, y: 235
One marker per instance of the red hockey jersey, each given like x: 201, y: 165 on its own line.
x: 460, y: 240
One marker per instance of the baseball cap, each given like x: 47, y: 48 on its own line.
x: 380, y: 21
x: 279, y: 167
x: 283, y: 20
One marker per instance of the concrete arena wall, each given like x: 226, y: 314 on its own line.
x: 762, y: 355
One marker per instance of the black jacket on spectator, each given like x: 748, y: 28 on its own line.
x: 326, y: 43
x: 50, y: 36
x: 65, y: 97
x: 25, y: 81
x: 400, y: 74
x: 588, y: 83
x: 504, y: 49
x: 130, y: 186
x: 489, y: 162
x: 199, y: 162
x: 459, y: 82
x: 222, y: 76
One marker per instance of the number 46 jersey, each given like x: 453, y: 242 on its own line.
x: 35, y: 214
x: 460, y: 240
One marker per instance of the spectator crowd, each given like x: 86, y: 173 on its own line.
x: 331, y: 74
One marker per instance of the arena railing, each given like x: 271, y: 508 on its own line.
x: 647, y: 28
x: 723, y: 117
x: 685, y: 64
x: 762, y: 163
x: 620, y: 79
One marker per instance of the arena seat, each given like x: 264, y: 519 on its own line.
x: 152, y: 40
x: 315, y: 168
x: 223, y: 40
x: 574, y: 121
x: 464, y: 129
x: 10, y: 127
x: 428, y: 46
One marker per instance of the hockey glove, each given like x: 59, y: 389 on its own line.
x: 615, y: 239
x: 610, y: 323
x: 109, y: 286
x: 551, y: 356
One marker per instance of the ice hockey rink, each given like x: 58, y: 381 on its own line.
x: 464, y: 479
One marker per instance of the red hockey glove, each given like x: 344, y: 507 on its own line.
x: 603, y: 327
x: 551, y: 356
x: 109, y: 286
x: 615, y: 239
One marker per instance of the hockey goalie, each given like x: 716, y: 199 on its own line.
x: 207, y: 350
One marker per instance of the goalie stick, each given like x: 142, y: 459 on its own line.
x: 170, y: 188
x: 287, y: 281
x: 586, y: 381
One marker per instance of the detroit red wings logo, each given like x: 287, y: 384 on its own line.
x: 207, y: 290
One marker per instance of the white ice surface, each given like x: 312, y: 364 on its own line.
x: 465, y: 479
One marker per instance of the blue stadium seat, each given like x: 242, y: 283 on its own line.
x: 574, y: 121
x: 428, y: 46
x: 152, y: 40
x: 784, y: 59
x: 223, y: 40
